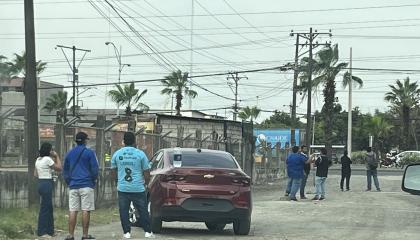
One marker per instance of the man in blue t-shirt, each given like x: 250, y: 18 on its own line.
x: 133, y: 170
x: 295, y: 164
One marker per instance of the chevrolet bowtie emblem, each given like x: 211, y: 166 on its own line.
x: 208, y: 176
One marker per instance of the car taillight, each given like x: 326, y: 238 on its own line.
x: 242, y: 181
x: 172, y: 177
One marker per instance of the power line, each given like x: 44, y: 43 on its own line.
x: 255, y: 13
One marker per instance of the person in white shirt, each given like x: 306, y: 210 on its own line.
x: 47, y: 161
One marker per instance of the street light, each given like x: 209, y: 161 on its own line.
x: 118, y: 55
x: 120, y: 67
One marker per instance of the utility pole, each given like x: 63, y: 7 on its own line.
x: 75, y: 70
x: 293, y: 107
x: 191, y: 50
x: 310, y: 37
x: 31, y: 101
x: 350, y: 117
x: 236, y: 79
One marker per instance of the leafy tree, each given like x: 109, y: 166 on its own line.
x: 404, y: 97
x: 58, y: 102
x: 326, y: 68
x: 177, y: 83
x: 18, y: 66
x: 279, y: 119
x: 249, y: 113
x: 127, y: 95
x: 379, y: 128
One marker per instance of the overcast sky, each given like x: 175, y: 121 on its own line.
x: 240, y: 35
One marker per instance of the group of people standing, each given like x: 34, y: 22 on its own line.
x: 80, y: 172
x: 299, y: 167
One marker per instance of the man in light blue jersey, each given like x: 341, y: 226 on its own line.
x: 132, y: 167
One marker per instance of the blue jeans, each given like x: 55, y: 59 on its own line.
x: 320, y: 186
x: 295, y: 185
x: 374, y: 174
x: 46, y: 214
x: 139, y: 200
x: 289, y: 186
x: 303, y: 185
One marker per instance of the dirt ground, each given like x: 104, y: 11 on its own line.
x: 390, y: 214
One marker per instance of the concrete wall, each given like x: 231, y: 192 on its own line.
x: 14, y: 190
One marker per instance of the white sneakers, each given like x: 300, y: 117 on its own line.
x: 146, y: 235
x: 127, y: 235
x: 149, y: 235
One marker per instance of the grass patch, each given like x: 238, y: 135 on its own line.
x: 21, y: 223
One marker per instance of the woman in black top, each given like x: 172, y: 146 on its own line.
x: 345, y: 171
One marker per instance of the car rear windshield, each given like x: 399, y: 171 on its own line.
x: 206, y: 159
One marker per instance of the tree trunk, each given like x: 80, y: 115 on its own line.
x: 328, y: 109
x: 406, y: 126
x: 178, y: 104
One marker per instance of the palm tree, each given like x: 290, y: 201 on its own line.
x: 404, y: 97
x: 326, y: 68
x: 58, y: 102
x: 18, y: 66
x: 177, y: 83
x: 249, y: 113
x: 379, y: 128
x: 129, y: 96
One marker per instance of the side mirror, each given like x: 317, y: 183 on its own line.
x: 411, y: 179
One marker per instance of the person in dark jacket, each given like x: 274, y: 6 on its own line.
x: 80, y: 173
x: 306, y: 171
x: 345, y: 171
x: 322, y: 164
x: 295, y: 164
x: 372, y: 162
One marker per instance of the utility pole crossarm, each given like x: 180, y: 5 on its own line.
x: 74, y: 70
x: 236, y: 79
x: 310, y: 37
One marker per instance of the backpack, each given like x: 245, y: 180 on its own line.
x: 372, y: 161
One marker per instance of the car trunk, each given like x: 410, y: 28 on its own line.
x: 206, y: 182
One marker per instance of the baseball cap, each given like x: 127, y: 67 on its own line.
x: 81, y: 137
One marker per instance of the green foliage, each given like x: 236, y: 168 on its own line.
x: 358, y: 157
x: 404, y: 98
x: 58, y: 102
x: 249, y: 113
x: 21, y: 223
x: 410, y: 159
x: 129, y: 96
x: 280, y: 120
x: 177, y: 83
x: 17, y: 66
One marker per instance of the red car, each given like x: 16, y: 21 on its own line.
x: 199, y: 185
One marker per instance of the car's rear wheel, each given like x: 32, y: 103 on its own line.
x: 215, y: 227
x: 155, y: 222
x: 242, y: 226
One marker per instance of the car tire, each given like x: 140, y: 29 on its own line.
x: 242, y: 226
x: 155, y: 222
x: 215, y: 227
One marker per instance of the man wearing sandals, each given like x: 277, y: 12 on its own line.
x: 80, y: 173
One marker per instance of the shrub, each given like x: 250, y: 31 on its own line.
x: 357, y: 157
x: 410, y: 159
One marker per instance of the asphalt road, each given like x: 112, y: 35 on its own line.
x: 390, y: 214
